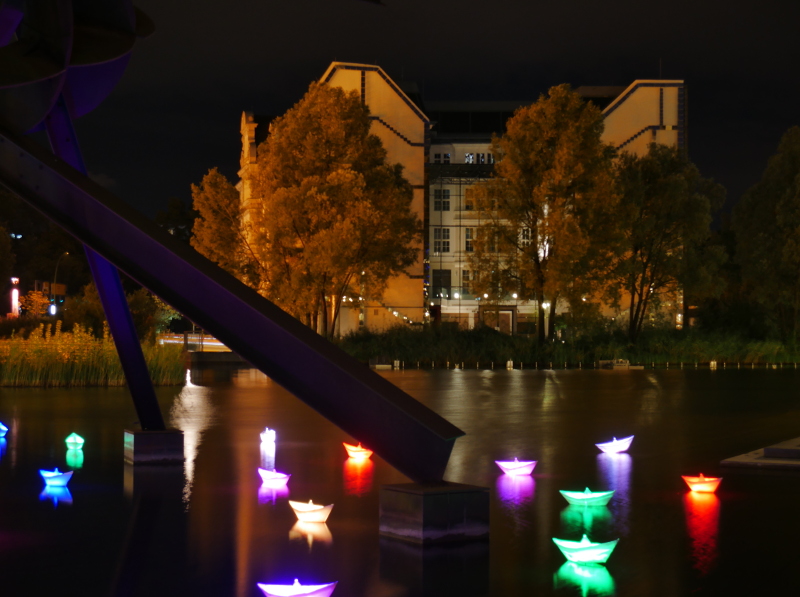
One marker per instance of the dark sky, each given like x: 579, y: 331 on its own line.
x: 176, y: 112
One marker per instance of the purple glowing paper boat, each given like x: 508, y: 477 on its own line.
x: 615, y: 446
x: 272, y: 478
x: 297, y: 590
x: 55, y: 478
x: 516, y: 467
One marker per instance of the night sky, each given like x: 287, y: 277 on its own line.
x: 176, y: 112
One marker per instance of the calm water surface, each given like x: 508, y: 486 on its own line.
x: 208, y: 529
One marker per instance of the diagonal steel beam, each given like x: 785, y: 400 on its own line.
x: 407, y: 434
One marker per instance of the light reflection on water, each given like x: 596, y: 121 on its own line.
x: 590, y: 579
x: 702, y: 521
x: 577, y: 520
x: 358, y: 476
x: 56, y: 495
x: 615, y: 470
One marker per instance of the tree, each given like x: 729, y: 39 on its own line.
x: 767, y: 226
x: 665, y: 213
x: 330, y: 218
x: 34, y: 303
x: 177, y: 219
x: 544, y: 211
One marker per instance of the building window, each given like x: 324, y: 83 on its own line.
x: 441, y: 200
x: 469, y: 158
x: 480, y: 158
x: 469, y: 200
x: 441, y: 240
x: 441, y: 283
x: 525, y: 237
x: 437, y: 158
x: 465, y: 280
x: 446, y: 159
x: 489, y: 158
x: 468, y: 246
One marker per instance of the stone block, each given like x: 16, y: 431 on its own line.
x: 154, y: 447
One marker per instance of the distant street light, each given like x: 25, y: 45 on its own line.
x: 53, y: 287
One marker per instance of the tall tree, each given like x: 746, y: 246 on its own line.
x: 546, y: 205
x: 767, y: 226
x: 331, y: 218
x: 665, y: 213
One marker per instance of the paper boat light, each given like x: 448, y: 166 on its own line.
x: 587, y: 498
x: 273, y: 478
x: 702, y: 484
x: 311, y: 512
x: 268, y: 435
x: 297, y: 589
x: 55, y: 478
x: 74, y: 441
x: 516, y: 467
x: 3, y: 430
x: 358, y: 452
x: 585, y: 551
x: 616, y: 445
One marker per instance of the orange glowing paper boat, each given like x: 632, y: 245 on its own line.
x: 297, y: 590
x: 702, y: 484
x: 516, y: 467
x: 311, y: 512
x: 358, y: 452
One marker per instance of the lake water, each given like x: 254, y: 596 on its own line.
x: 214, y: 532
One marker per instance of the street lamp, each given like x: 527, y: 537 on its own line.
x: 53, y: 287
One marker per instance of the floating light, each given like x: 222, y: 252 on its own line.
x: 587, y: 498
x: 55, y: 478
x: 616, y: 446
x: 311, y: 512
x: 297, y: 589
x: 702, y: 484
x: 268, y: 435
x: 591, y: 579
x: 273, y: 478
x: 585, y: 551
x: 3, y: 430
x: 357, y: 452
x: 75, y: 458
x: 311, y: 531
x: 74, y: 441
x: 56, y: 495
x: 517, y: 467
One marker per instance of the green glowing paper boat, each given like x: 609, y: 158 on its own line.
x: 585, y: 551
x: 74, y: 441
x: 587, y: 498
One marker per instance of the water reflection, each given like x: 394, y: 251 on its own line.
x: 3, y: 446
x: 75, y: 458
x: 702, y: 521
x: 56, y: 495
x: 311, y: 532
x: 192, y: 413
x: 268, y: 455
x: 358, y: 476
x: 269, y: 495
x: 591, y: 579
x: 514, y: 493
x: 577, y: 520
x: 615, y: 470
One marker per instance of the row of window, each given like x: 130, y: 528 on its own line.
x: 441, y: 239
x: 441, y: 201
x: 469, y: 158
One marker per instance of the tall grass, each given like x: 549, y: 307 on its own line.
x: 50, y: 357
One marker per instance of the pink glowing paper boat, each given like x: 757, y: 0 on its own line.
x: 616, y: 445
x: 517, y: 467
x: 311, y: 512
x: 702, y: 484
x: 357, y: 452
x: 297, y: 590
x: 273, y: 478
x: 55, y: 478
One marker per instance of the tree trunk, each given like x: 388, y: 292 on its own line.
x: 551, y: 324
x: 323, y: 331
x: 540, y: 324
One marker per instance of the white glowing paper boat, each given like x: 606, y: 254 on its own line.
x: 358, y: 452
x: 3, y: 430
x: 272, y: 478
x: 702, y: 484
x: 311, y: 512
x: 585, y: 551
x: 587, y: 498
x: 268, y: 435
x: 516, y: 467
x: 55, y: 478
x: 616, y: 445
x: 297, y: 589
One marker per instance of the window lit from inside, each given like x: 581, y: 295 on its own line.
x: 441, y: 240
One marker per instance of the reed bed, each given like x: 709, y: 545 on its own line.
x: 51, y: 357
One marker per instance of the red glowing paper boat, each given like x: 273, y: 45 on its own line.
x: 702, y: 484
x: 516, y: 467
x: 358, y: 452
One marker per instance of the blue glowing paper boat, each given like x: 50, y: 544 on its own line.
x: 516, y: 467
x: 55, y: 478
x: 3, y: 430
x: 585, y: 551
x: 587, y: 498
x: 616, y: 445
x: 297, y: 589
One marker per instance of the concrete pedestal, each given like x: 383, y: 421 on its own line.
x: 435, y: 513
x: 782, y: 456
x: 154, y: 447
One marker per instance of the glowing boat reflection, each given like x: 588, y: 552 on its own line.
x: 358, y: 476
x: 702, y: 484
x: 311, y: 512
x: 74, y: 441
x: 55, y: 478
x: 269, y: 495
x: 357, y: 452
x: 297, y: 589
x: 311, y: 532
x: 273, y: 478
x: 591, y: 579
x: 615, y: 446
x: 587, y: 498
x: 585, y: 551
x: 702, y: 520
x: 56, y: 495
x: 576, y: 520
x: 268, y: 435
x: 3, y: 430
x: 75, y: 458
x: 515, y: 490
x: 516, y: 467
